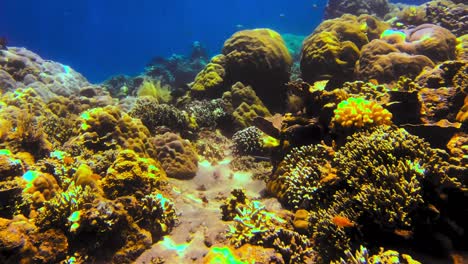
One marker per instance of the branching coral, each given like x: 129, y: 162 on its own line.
x: 304, y: 177
x: 154, y: 115
x: 362, y: 256
x: 358, y: 113
x: 252, y: 141
x: 157, y: 215
x: 56, y: 212
x: 386, y: 168
x: 206, y: 114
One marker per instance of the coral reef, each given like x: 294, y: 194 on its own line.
x: 177, y: 156
x: 22, y: 242
x: 448, y: 14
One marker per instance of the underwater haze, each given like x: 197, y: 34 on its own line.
x: 104, y: 38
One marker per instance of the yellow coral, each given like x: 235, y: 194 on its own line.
x: 359, y: 112
x: 154, y: 89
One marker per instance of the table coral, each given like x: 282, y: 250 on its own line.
x: 131, y: 174
x: 177, y: 156
x: 260, y: 58
x: 359, y: 113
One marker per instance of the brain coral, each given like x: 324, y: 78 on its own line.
x: 178, y: 156
x: 259, y: 58
x: 332, y: 50
x: 435, y: 42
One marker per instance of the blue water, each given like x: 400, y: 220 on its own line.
x: 104, y: 38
